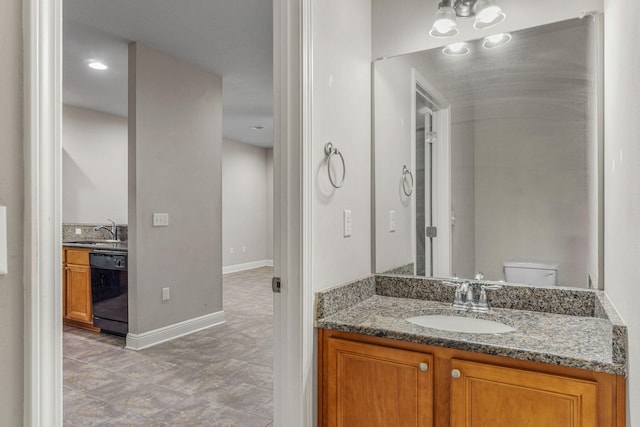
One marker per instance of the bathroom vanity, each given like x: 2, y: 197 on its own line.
x: 564, y: 364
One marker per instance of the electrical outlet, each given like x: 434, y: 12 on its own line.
x: 78, y: 231
x: 347, y: 223
x: 232, y: 251
x: 160, y: 219
x: 165, y: 294
x: 392, y: 220
x: 244, y: 249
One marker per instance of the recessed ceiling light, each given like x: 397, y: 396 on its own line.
x: 97, y: 65
x: 256, y: 127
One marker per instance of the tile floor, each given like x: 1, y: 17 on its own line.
x: 221, y: 376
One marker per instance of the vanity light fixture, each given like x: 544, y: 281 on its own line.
x: 97, y: 65
x: 256, y: 127
x: 456, y: 49
x: 496, y: 40
x: 445, y: 24
x: 487, y: 14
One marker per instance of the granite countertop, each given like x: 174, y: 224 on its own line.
x: 593, y: 340
x: 101, y: 246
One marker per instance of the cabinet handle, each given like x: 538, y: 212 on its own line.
x: 424, y: 367
x: 455, y: 373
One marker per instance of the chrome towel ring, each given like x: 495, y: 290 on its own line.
x: 330, y: 150
x: 406, y: 175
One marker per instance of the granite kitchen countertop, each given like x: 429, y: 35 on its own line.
x: 593, y: 340
x: 102, y: 246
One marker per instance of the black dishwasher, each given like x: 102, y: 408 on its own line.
x: 109, y: 291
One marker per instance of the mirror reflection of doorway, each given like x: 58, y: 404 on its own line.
x: 426, y: 167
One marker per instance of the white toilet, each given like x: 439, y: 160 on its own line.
x: 531, y: 273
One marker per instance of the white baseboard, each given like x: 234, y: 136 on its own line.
x: 247, y: 266
x: 167, y: 333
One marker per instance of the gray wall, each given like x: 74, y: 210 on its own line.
x: 11, y: 196
x: 94, y: 166
x: 270, y: 187
x: 247, y: 220
x: 622, y: 179
x: 175, y: 151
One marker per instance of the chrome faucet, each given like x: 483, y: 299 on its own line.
x: 462, y: 294
x: 113, y: 230
x: 464, y: 300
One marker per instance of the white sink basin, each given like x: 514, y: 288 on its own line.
x: 460, y: 324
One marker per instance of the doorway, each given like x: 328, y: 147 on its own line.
x: 43, y: 330
x: 431, y: 152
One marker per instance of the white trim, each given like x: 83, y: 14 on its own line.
x: 42, y: 220
x: 308, y: 351
x: 170, y: 332
x: 294, y: 380
x: 247, y: 266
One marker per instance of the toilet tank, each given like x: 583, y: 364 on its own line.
x: 532, y: 273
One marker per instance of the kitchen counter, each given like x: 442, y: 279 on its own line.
x: 116, y: 247
x: 566, y: 327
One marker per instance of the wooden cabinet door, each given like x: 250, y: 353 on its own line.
x: 494, y: 396
x: 77, y: 293
x: 373, y: 386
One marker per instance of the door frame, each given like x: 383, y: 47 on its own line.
x: 294, y: 382
x: 442, y: 178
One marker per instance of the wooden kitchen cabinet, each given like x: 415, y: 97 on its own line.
x: 76, y: 289
x: 371, y: 381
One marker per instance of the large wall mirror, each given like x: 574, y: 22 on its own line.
x: 488, y: 164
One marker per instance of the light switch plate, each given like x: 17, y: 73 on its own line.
x: 3, y: 240
x: 392, y: 220
x: 347, y: 223
x: 160, y: 219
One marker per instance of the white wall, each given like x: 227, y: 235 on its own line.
x: 94, y: 167
x: 12, y: 196
x: 393, y: 148
x: 175, y: 151
x: 622, y: 179
x: 463, y: 201
x: 247, y: 203
x: 341, y: 113
x: 402, y: 27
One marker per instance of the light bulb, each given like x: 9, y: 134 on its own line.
x: 97, y: 65
x: 445, y: 24
x: 496, y: 40
x: 456, y: 49
x: 488, y: 14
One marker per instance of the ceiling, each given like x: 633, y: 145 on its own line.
x: 232, y: 39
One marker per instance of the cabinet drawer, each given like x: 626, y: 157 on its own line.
x: 77, y: 256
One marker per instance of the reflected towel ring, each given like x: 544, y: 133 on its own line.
x: 331, y: 151
x: 407, y: 173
